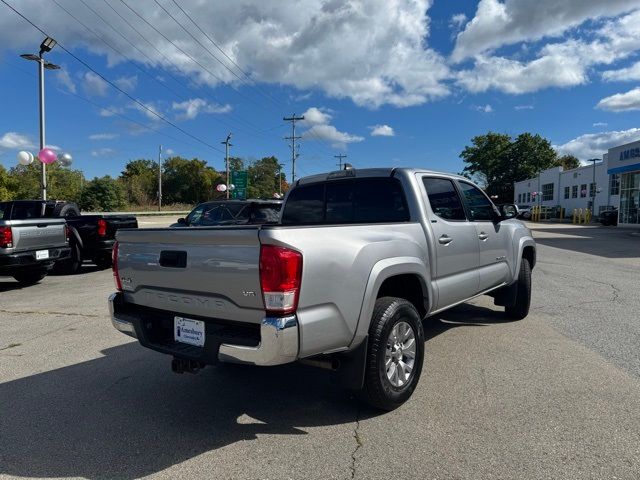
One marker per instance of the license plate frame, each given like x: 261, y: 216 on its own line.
x: 189, y: 331
x: 42, y: 254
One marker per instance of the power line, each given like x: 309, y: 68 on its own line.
x: 294, y: 154
x: 135, y: 100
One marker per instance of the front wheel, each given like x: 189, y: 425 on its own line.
x: 520, y: 308
x: 395, y: 354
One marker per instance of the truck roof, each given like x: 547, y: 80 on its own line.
x: 368, y: 173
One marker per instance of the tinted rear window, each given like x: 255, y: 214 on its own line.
x: 4, y: 207
x: 360, y: 200
x: 23, y: 210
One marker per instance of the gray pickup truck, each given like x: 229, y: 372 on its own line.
x: 358, y: 260
x: 30, y: 244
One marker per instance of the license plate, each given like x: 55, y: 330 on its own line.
x: 186, y: 330
x: 42, y: 254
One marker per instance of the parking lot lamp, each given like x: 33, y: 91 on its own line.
x: 46, y: 46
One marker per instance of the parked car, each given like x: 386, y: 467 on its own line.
x: 232, y: 212
x: 30, y: 243
x: 609, y: 217
x: 91, y: 237
x: 524, y: 212
x: 358, y: 259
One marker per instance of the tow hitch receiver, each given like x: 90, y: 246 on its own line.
x: 180, y: 365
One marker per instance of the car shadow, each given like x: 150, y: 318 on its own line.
x: 463, y: 315
x: 125, y: 415
x: 8, y: 284
x: 607, y: 242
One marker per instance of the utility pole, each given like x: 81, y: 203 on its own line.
x: 339, y: 157
x: 280, y: 178
x: 226, y: 159
x: 160, y: 178
x: 293, y: 119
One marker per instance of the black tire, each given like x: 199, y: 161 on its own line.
x: 68, y: 209
x: 523, y: 296
x: 378, y: 390
x: 30, y: 277
x: 72, y: 265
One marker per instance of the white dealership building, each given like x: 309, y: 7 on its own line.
x: 612, y: 182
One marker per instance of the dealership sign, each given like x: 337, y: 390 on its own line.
x: 630, y: 153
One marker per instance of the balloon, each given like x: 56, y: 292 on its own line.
x: 221, y: 188
x: 47, y: 156
x: 25, y: 158
x: 232, y: 187
x: 65, y: 159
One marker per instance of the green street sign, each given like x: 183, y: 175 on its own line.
x: 239, y: 180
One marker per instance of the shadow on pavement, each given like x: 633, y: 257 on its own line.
x: 464, y: 315
x: 126, y: 415
x: 608, y: 242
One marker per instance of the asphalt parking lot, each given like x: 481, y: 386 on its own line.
x: 556, y: 395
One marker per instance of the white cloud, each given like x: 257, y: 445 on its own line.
x: 524, y: 107
x: 151, y: 110
x: 621, y: 102
x: 102, y: 152
x: 110, y: 111
x: 169, y: 151
x: 16, y: 141
x: 193, y: 107
x: 627, y: 74
x: 65, y: 81
x: 600, y: 124
x: 316, y: 116
x: 457, y: 21
x: 498, y: 23
x: 128, y: 84
x: 332, y: 135
x: 93, y: 85
x: 382, y: 131
x: 483, y: 108
x: 374, y: 52
x: 593, y: 145
x: 103, y: 136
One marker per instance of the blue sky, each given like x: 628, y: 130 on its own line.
x: 392, y: 83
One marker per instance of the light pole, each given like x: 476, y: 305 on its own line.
x: 593, y: 191
x: 160, y: 178
x: 280, y: 178
x: 46, y: 46
x: 227, y: 144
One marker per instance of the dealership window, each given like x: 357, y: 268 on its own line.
x: 583, y: 190
x: 547, y: 192
x: 528, y: 197
x: 574, y: 191
x: 567, y: 190
x: 592, y: 190
x: 630, y: 198
x: 614, y: 184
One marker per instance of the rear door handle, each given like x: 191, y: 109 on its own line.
x: 483, y: 236
x: 445, y: 240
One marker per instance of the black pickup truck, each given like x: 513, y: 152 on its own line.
x: 91, y: 237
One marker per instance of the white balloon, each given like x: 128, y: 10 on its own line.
x: 221, y: 188
x: 25, y: 158
x: 65, y: 159
x: 232, y: 187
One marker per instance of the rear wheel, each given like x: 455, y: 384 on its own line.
x: 523, y: 296
x: 73, y: 264
x: 30, y: 277
x: 395, y: 354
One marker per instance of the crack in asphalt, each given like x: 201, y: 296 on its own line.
x: 359, y: 443
x: 39, y: 312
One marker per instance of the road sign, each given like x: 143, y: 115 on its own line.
x: 239, y: 180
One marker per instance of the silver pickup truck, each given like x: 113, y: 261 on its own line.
x: 358, y: 260
x: 30, y: 244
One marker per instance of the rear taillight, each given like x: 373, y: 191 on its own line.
x: 6, y: 237
x: 280, y: 278
x: 114, y: 266
x: 102, y: 228
x: 67, y: 233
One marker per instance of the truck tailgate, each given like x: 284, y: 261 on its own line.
x: 116, y: 222
x: 37, y: 233
x: 210, y: 272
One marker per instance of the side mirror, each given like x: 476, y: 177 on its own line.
x: 182, y: 221
x: 508, y: 211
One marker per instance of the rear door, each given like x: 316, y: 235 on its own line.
x: 493, y: 239
x: 456, y: 242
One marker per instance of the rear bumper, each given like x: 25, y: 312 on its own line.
x: 21, y: 260
x: 278, y: 342
x: 99, y: 248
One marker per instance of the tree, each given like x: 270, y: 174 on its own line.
x: 140, y: 181
x: 103, y: 194
x: 63, y: 183
x: 7, y: 185
x: 262, y: 178
x: 501, y: 161
x: 188, y: 181
x: 568, y: 162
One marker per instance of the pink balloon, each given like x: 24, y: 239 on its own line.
x: 47, y: 156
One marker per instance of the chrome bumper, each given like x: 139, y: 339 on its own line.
x: 278, y: 340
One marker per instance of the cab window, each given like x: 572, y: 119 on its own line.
x: 444, y: 199
x: 478, y: 205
